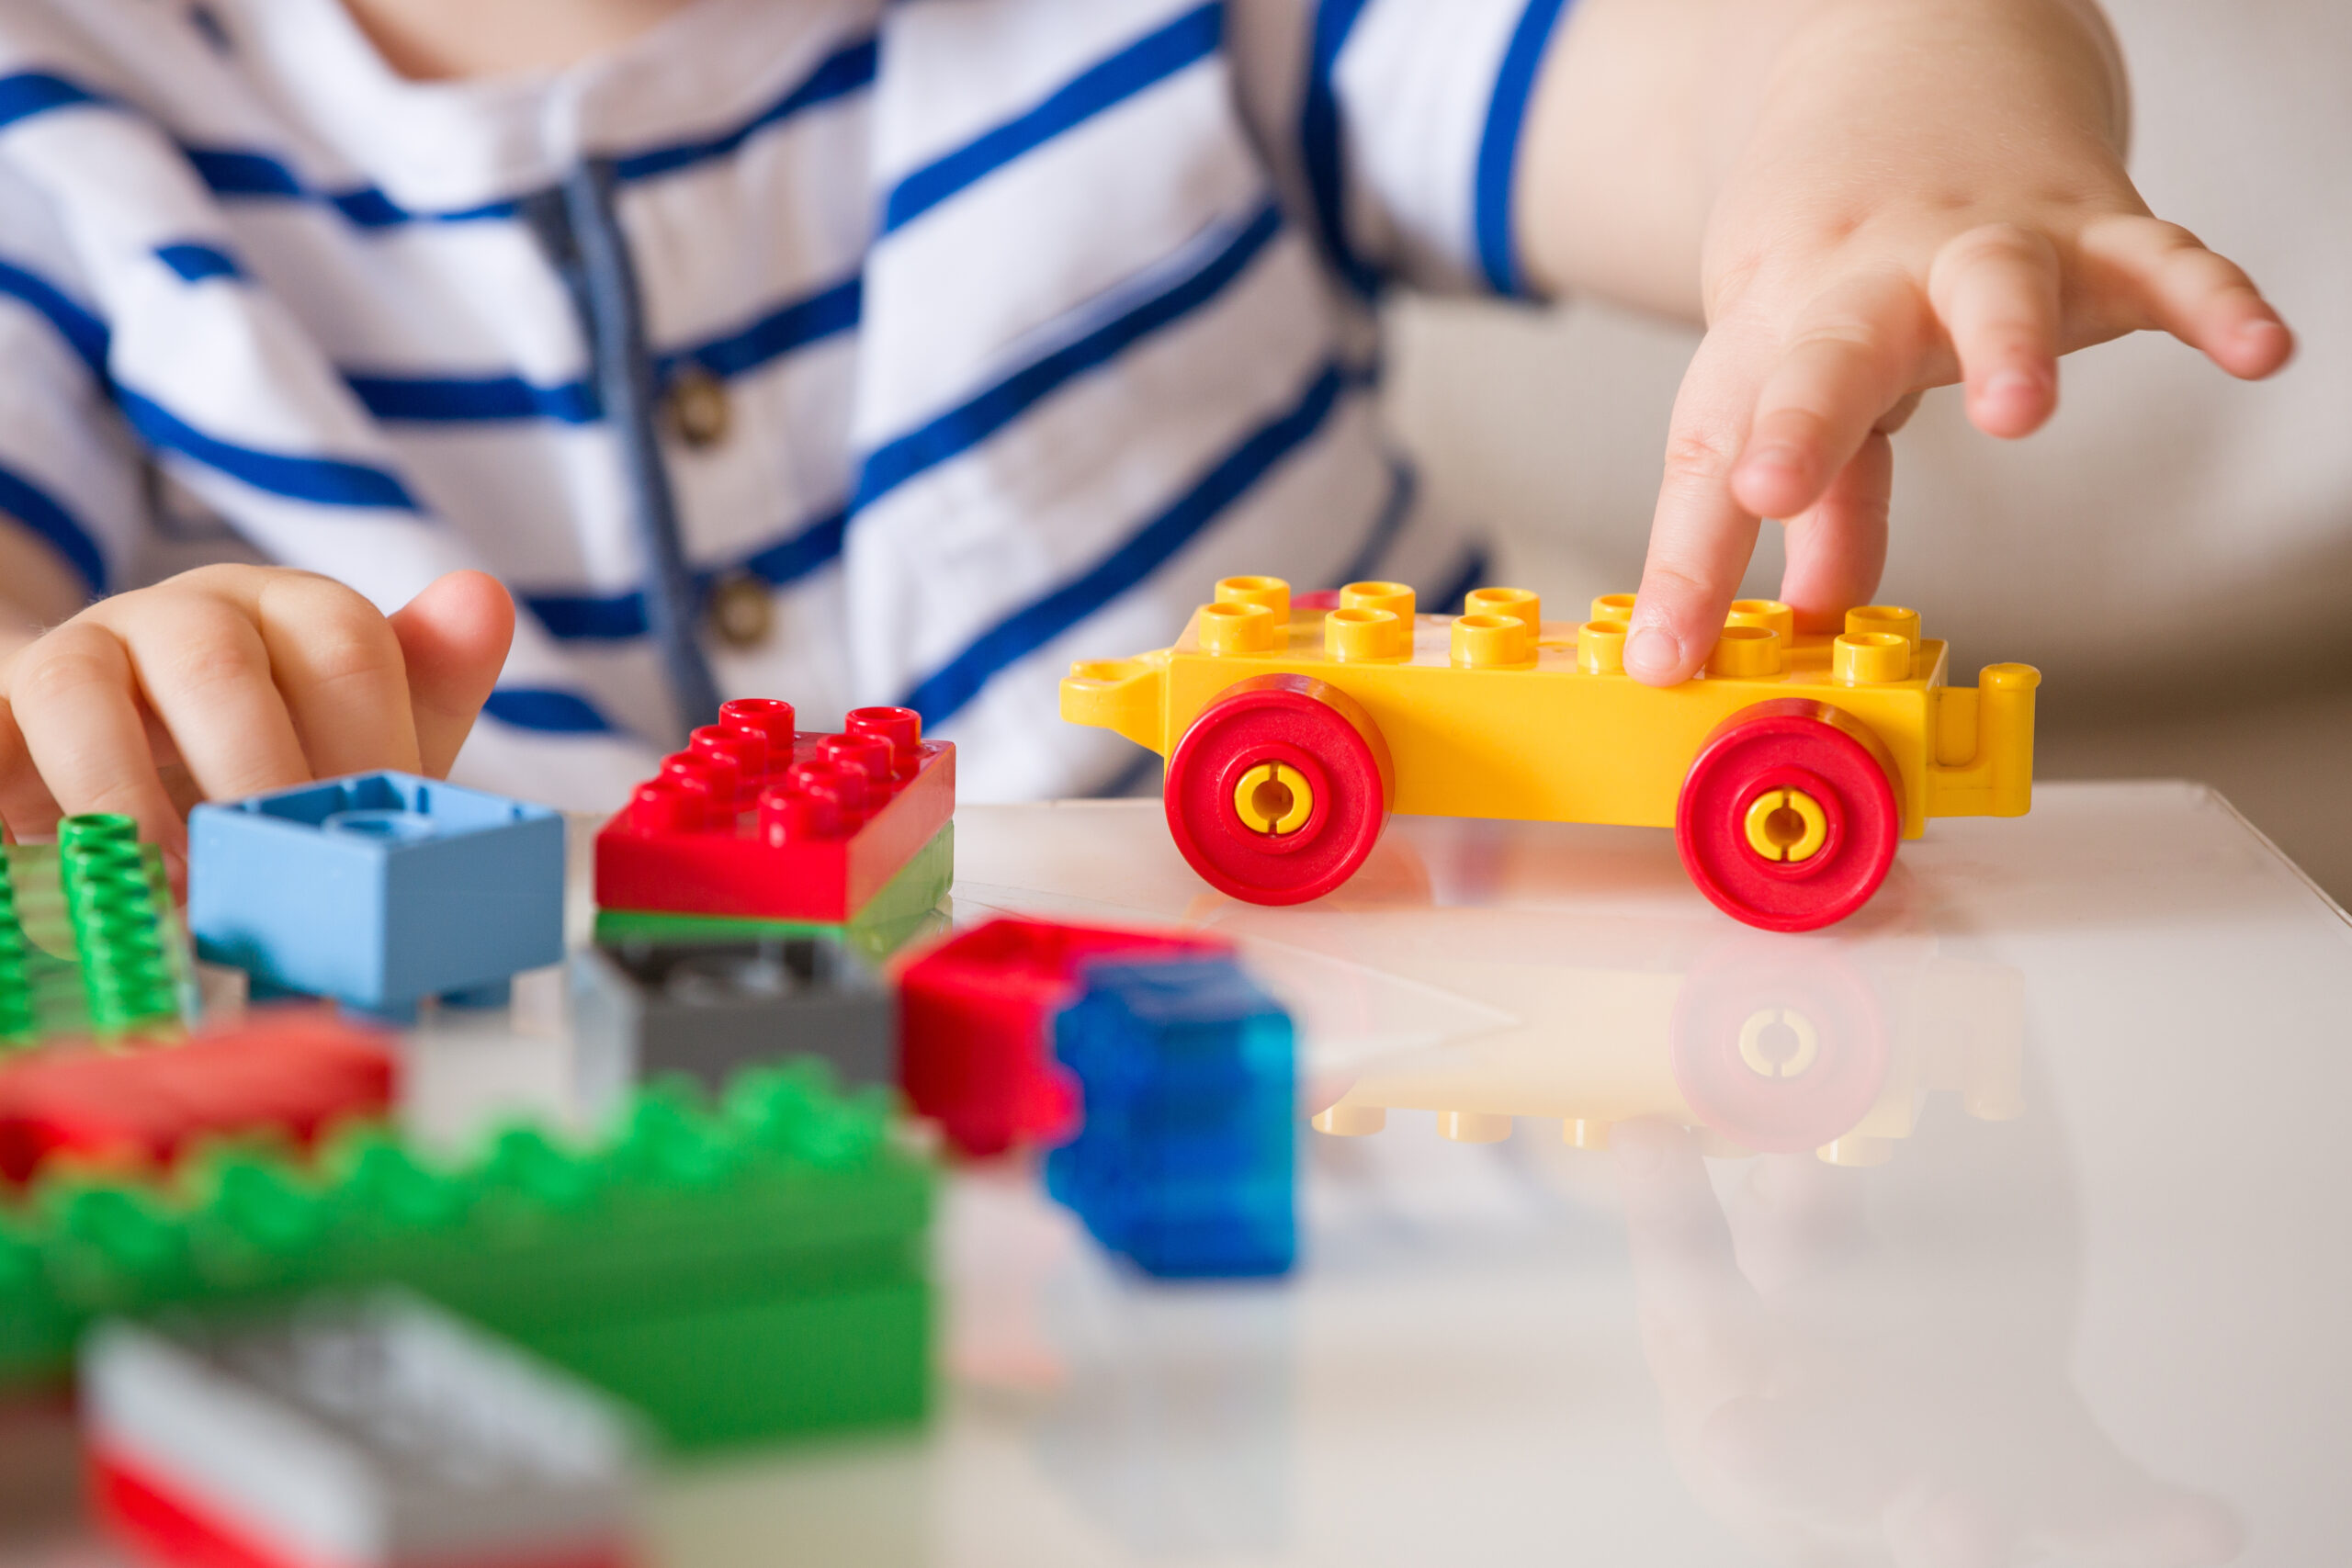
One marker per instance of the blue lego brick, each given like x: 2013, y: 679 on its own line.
x: 1185, y: 1162
x: 379, y: 890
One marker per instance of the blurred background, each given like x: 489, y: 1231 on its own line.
x: 2174, y: 552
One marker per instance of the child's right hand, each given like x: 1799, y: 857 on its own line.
x: 231, y: 681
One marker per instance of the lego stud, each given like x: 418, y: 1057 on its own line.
x: 1397, y: 598
x: 767, y: 716
x: 1519, y: 602
x: 899, y: 729
x: 1786, y: 826
x: 1770, y: 613
x: 1745, y: 652
x: 715, y: 779
x: 790, y: 816
x: 1352, y: 636
x: 1492, y: 642
x: 1271, y: 591
x: 393, y: 825
x: 1613, y: 607
x: 661, y: 806
x: 1273, y: 798
x: 845, y: 787
x: 746, y: 751
x: 1600, y: 648
x: 1889, y: 618
x: 1351, y: 1120
x: 867, y: 755
x: 1870, y: 659
x: 1233, y: 627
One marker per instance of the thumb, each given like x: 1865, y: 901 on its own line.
x: 454, y: 636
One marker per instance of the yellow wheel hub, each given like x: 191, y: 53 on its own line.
x: 1271, y: 799
x: 1786, y: 825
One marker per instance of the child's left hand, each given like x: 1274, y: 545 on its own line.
x: 1918, y: 193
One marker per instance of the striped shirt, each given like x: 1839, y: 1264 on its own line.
x: 1012, y: 323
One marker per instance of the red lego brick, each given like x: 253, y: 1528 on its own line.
x: 161, y: 1528
x: 292, y: 1073
x: 758, y: 821
x: 974, y: 1015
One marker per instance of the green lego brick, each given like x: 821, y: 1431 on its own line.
x: 907, y: 908
x: 683, y: 1231
x: 752, y: 1370
x: 90, y: 946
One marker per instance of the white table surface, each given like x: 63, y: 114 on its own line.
x: 2074, y: 1289
x: 2046, y: 1258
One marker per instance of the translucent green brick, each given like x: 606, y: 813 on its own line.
x: 89, y: 942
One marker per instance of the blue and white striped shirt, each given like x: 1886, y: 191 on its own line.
x: 1032, y: 317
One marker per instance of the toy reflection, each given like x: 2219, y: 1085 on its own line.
x: 1760, y: 1043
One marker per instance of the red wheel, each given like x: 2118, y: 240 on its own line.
x: 1279, y: 790
x: 1788, y: 819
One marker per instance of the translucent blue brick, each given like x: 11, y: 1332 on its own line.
x: 379, y: 890
x: 1186, y: 1160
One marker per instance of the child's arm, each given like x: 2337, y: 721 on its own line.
x: 1862, y: 200
x: 244, y: 678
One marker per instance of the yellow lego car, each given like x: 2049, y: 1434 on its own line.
x: 1788, y: 768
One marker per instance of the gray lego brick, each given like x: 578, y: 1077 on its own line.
x: 642, y: 1009
x: 373, y: 1432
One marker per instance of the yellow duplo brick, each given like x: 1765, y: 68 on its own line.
x: 1613, y: 607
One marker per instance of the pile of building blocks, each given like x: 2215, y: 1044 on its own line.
x: 641, y: 1010
x: 737, y: 1272
x: 759, y: 828
x: 370, y: 1433
x: 1185, y: 1162
x: 284, y: 1075
x: 380, y: 890
x: 975, y: 1025
x: 89, y: 947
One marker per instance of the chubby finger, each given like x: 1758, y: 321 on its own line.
x: 1856, y: 355
x: 27, y: 808
x: 1837, y: 548
x: 1997, y: 291
x: 454, y: 636
x: 1702, y: 536
x: 71, y: 695
x: 206, y: 671
x: 341, y: 673
x: 2204, y: 299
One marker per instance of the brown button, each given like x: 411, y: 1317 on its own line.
x: 742, y: 610
x: 698, y: 407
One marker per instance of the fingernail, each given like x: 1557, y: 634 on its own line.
x: 1652, y: 652
x: 2012, y: 384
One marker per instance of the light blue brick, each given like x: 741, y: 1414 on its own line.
x: 379, y: 890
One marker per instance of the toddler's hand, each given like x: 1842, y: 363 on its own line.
x: 1913, y: 208
x: 231, y: 681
